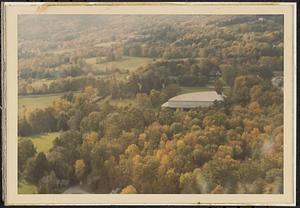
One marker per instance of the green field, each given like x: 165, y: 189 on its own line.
x: 26, y: 188
x: 39, y: 82
x: 127, y: 62
x: 43, y: 142
x: 38, y: 101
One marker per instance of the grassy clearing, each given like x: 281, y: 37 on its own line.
x: 26, y: 188
x: 39, y: 82
x: 127, y: 62
x: 32, y: 102
x: 38, y: 101
x: 43, y: 142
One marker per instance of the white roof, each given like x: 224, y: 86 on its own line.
x: 198, y: 96
x: 192, y: 100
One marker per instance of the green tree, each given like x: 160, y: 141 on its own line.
x: 155, y: 97
x: 143, y: 100
x: 48, y: 184
x: 171, y: 90
x: 176, y: 128
x: 26, y: 150
x: 219, y: 87
x: 228, y: 74
x: 242, y: 86
x: 62, y: 121
x: 36, y: 168
x: 24, y: 128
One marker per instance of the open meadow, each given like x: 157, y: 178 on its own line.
x: 38, y: 101
x: 26, y: 188
x: 42, y: 142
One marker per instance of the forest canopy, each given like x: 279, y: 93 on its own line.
x: 114, y: 137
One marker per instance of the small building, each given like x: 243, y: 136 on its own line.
x: 193, y: 100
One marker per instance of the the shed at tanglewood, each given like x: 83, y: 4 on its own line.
x: 193, y: 100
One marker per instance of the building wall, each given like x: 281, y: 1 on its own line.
x: 185, y: 104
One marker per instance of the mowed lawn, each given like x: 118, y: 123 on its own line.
x: 26, y: 188
x: 38, y: 101
x: 43, y: 142
x: 61, y: 51
x: 127, y: 62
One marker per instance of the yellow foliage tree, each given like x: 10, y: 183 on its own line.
x: 132, y: 150
x: 129, y: 190
x: 89, y: 90
x: 218, y: 190
x: 255, y: 107
x: 224, y: 151
x: 79, y: 167
x: 91, y: 138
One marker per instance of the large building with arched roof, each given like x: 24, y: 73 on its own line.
x: 193, y: 100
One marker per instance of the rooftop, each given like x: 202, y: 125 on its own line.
x: 192, y: 100
x: 198, y: 96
